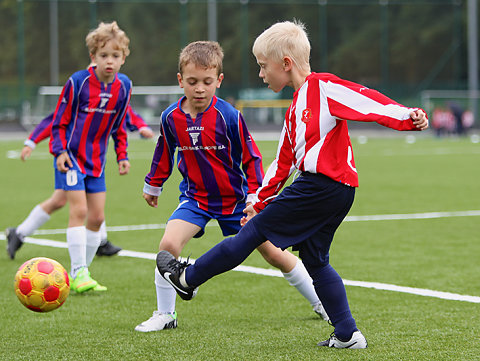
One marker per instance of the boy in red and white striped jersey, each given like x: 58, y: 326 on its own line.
x: 314, y: 142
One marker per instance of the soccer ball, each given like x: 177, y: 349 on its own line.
x: 41, y: 284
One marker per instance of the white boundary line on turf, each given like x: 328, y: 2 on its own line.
x: 277, y: 273
x: 377, y: 217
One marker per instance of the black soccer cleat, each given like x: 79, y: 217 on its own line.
x: 171, y: 269
x: 108, y: 249
x: 14, y: 241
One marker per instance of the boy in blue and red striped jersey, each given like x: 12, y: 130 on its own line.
x: 221, y: 167
x: 41, y: 212
x: 91, y: 108
x: 315, y: 142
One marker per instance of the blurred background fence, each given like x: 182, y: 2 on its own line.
x: 404, y: 48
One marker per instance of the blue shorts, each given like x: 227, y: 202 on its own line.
x: 188, y: 211
x: 306, y: 215
x: 74, y: 180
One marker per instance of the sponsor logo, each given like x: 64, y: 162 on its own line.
x: 195, y: 128
x: 201, y: 147
x: 99, y: 110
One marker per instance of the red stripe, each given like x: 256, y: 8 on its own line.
x: 66, y: 116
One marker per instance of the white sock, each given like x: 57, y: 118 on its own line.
x: 77, y: 244
x: 299, y: 278
x: 34, y: 221
x: 165, y: 294
x: 93, y: 241
x: 103, y: 234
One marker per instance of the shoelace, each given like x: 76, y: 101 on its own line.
x: 179, y: 266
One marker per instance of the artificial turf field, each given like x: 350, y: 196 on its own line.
x: 433, y: 245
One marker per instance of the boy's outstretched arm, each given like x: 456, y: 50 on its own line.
x: 420, y: 119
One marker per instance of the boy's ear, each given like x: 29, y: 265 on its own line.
x: 179, y: 78
x: 220, y: 78
x: 287, y: 63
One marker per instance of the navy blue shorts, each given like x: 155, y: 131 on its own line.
x: 189, y: 211
x: 306, y: 215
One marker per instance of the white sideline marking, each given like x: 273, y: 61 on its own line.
x: 377, y: 217
x: 277, y: 273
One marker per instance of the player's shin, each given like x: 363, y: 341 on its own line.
x: 225, y: 256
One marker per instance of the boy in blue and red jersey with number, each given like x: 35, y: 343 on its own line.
x: 41, y: 212
x: 315, y: 142
x: 221, y: 167
x: 91, y: 108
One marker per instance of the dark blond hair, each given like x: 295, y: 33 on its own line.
x: 206, y: 54
x: 98, y: 37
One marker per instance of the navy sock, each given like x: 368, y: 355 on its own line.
x: 224, y: 256
x: 331, y: 291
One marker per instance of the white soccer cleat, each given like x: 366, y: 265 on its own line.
x: 158, y: 321
x: 319, y: 310
x: 356, y: 341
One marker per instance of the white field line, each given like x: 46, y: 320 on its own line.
x: 378, y: 217
x: 277, y: 273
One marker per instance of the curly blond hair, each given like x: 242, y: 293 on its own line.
x: 98, y: 37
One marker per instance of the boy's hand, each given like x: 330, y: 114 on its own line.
x: 61, y: 160
x: 250, y: 213
x: 26, y: 152
x: 123, y: 167
x: 146, y: 132
x: 151, y: 200
x: 420, y: 119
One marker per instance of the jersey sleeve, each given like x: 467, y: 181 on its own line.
x: 162, y: 162
x: 251, y: 159
x: 61, y: 118
x: 278, y: 172
x: 350, y: 101
x: 42, y: 131
x: 134, y: 121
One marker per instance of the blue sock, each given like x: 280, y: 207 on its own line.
x: 224, y: 256
x: 331, y: 291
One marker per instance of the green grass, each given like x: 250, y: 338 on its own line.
x: 239, y: 316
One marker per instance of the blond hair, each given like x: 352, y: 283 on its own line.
x: 98, y: 37
x: 284, y: 39
x: 206, y: 54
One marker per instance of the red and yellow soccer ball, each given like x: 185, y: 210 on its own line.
x: 41, y: 284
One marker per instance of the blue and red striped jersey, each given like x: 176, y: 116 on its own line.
x: 43, y: 130
x: 217, y: 157
x: 87, y: 113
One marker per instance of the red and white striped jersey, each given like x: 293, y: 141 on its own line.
x: 315, y: 135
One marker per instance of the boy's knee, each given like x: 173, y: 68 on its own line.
x: 171, y: 245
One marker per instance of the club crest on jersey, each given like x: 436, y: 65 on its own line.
x: 194, y: 137
x: 307, y: 115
